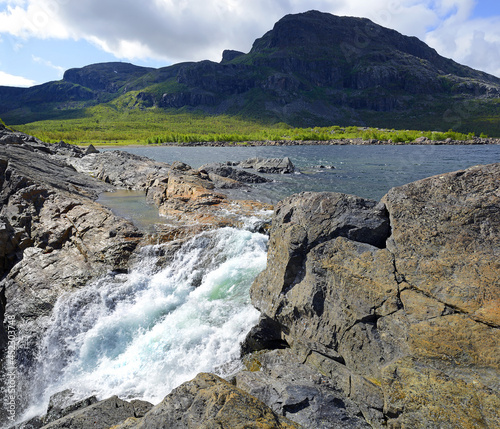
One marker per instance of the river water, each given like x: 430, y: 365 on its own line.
x: 185, y: 309
x: 366, y: 171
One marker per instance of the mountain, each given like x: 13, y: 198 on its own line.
x: 312, y: 68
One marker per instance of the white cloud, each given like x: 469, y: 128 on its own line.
x: 7, y: 79
x: 475, y: 42
x: 191, y: 30
x: 49, y: 64
x: 34, y: 18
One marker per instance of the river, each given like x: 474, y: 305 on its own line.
x: 366, y: 171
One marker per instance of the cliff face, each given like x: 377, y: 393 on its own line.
x: 397, y: 303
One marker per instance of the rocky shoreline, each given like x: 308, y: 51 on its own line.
x: 373, y: 314
x: 334, y: 142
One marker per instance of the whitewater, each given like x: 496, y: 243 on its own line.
x: 183, y: 309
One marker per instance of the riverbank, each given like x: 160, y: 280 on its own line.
x: 333, y: 142
x: 354, y: 141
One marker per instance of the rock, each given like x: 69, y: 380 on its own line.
x: 141, y: 408
x: 209, y: 401
x: 91, y: 149
x: 446, y: 246
x: 120, y: 169
x: 11, y: 138
x: 229, y: 55
x: 269, y: 165
x: 180, y: 166
x: 313, y: 236
x: 453, y: 234
x: 63, y: 403
x: 64, y: 412
x: 34, y: 423
x: 66, y: 149
x: 190, y: 196
x: 236, y: 174
x: 421, y: 140
x: 298, y: 392
x: 395, y: 314
x: 266, y: 335
x: 103, y: 414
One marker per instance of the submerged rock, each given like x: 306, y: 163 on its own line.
x: 396, y: 303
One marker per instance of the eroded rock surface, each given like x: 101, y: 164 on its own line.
x: 208, y: 401
x: 190, y: 197
x: 120, y: 168
x: 299, y: 392
x: 398, y: 303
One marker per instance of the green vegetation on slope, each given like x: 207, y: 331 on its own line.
x: 107, y: 124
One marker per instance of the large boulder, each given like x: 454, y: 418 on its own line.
x: 298, y: 392
x: 397, y: 302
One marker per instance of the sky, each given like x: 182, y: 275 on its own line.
x: 40, y: 39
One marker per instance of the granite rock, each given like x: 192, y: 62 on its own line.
x: 396, y: 302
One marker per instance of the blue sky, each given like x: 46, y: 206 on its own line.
x: 40, y: 39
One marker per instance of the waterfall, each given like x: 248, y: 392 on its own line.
x: 184, y: 308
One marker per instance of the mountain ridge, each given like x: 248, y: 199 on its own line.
x: 312, y: 68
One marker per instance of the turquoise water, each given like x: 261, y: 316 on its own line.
x: 367, y: 171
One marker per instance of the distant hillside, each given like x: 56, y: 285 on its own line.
x: 312, y: 68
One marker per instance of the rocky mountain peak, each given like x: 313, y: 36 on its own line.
x: 311, y: 69
x: 105, y: 76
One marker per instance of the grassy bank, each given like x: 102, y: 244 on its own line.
x: 107, y: 125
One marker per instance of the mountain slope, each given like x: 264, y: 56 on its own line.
x: 312, y: 68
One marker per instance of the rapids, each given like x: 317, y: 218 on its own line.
x: 183, y: 309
